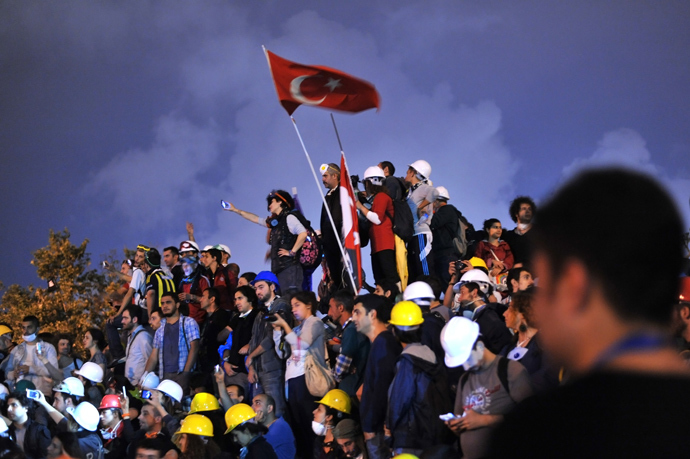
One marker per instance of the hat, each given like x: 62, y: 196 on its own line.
x: 347, y: 428
x: 223, y: 248
x: 24, y: 384
x: 207, y: 248
x: 267, y: 276
x: 457, y: 338
x: 188, y: 246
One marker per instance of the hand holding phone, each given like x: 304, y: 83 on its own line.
x: 226, y: 205
x: 33, y: 394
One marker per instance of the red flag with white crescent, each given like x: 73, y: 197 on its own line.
x: 353, y: 256
x: 319, y: 86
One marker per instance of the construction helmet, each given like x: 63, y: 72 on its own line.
x: 71, y: 386
x: 91, y: 371
x: 203, y: 401
x: 420, y: 293
x: 684, y: 295
x: 374, y: 174
x: 237, y: 414
x: 405, y: 456
x: 406, y: 315
x: 422, y: 167
x: 150, y: 381
x: 457, y: 338
x: 477, y: 262
x: 4, y: 329
x: 338, y: 400
x: 171, y: 389
x: 266, y: 276
x: 196, y: 424
x: 442, y: 193
x: 86, y: 416
x: 474, y: 275
x: 110, y: 401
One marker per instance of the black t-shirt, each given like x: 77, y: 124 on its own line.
x: 520, y: 245
x: 605, y: 414
x: 208, y: 350
x: 241, y: 334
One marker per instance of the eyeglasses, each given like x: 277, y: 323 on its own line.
x: 143, y: 248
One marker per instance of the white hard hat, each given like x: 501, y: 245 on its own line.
x: 420, y: 293
x: 86, y: 415
x: 91, y: 371
x: 170, y: 388
x: 474, y: 275
x: 71, y: 386
x: 225, y: 248
x: 457, y: 338
x: 150, y: 381
x: 374, y: 174
x: 4, y: 392
x: 443, y: 193
x: 422, y: 167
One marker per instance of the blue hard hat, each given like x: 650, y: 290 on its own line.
x: 267, y: 276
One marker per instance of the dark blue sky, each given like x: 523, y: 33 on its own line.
x: 121, y: 121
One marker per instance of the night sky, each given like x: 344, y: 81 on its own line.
x: 123, y: 120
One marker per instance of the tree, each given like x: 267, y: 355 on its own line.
x: 76, y: 303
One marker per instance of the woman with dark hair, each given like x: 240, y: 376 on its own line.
x: 287, y: 233
x: 381, y: 214
x: 493, y: 250
x: 94, y: 342
x: 307, y: 337
x: 333, y: 408
x: 525, y: 347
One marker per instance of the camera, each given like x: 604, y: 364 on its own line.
x: 270, y: 316
x: 33, y: 394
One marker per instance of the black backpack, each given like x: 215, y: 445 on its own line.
x: 403, y: 220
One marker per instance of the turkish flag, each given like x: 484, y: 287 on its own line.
x: 319, y: 86
x: 353, y: 256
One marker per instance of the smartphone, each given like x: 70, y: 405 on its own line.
x: 39, y: 348
x: 217, y: 368
x: 146, y: 394
x: 33, y: 394
x: 104, y: 264
x: 225, y: 204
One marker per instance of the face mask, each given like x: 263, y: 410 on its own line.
x: 523, y: 226
x: 318, y: 428
x: 473, y: 361
x: 29, y: 338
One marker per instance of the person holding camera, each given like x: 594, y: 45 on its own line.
x: 32, y: 437
x: 265, y: 369
x: 307, y: 337
x: 241, y: 324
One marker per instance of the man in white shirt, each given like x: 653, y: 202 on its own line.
x: 139, y: 344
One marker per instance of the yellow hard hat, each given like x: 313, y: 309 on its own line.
x: 237, y: 414
x: 203, y: 401
x: 4, y: 329
x: 477, y: 262
x: 406, y: 314
x: 196, y: 424
x: 337, y: 399
x: 405, y: 456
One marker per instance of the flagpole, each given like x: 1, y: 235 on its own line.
x: 323, y: 199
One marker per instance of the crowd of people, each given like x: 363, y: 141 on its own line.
x: 452, y: 352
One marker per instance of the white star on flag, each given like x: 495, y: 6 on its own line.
x: 332, y: 84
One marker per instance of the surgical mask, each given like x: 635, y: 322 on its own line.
x: 318, y: 428
x: 473, y: 360
x: 29, y: 338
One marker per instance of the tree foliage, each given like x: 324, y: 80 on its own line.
x: 76, y: 303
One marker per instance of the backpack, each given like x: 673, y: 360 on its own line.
x: 311, y: 252
x: 403, y: 221
x: 460, y: 238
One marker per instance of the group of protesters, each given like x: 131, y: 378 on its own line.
x: 468, y: 343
